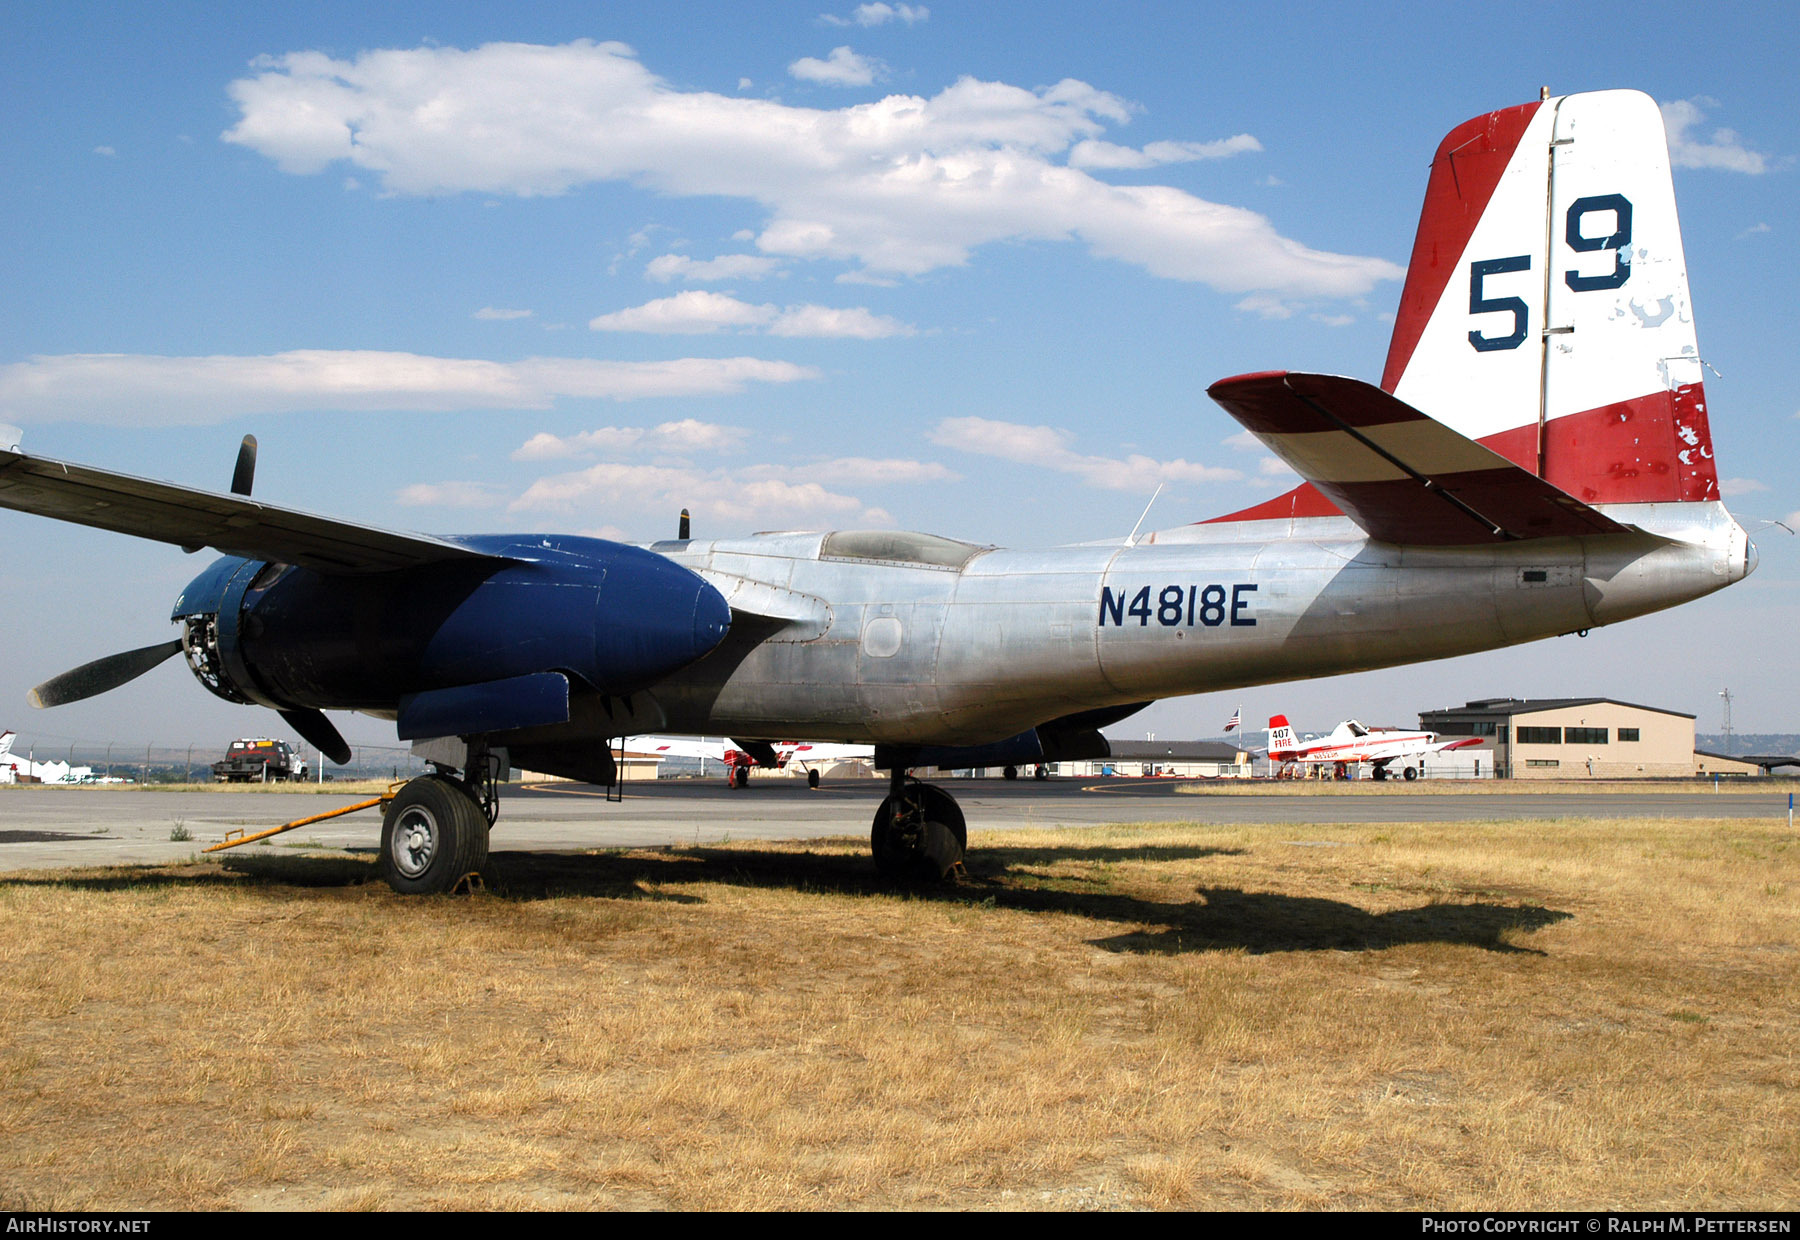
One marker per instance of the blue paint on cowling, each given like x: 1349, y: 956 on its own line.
x: 533, y: 701
x: 614, y: 617
x: 202, y: 595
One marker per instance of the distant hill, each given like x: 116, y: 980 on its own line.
x: 1749, y: 742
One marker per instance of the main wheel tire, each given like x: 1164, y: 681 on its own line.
x: 812, y: 779
x: 1411, y: 772
x: 1043, y: 772
x: 1010, y: 772
x: 434, y: 832
x: 921, y: 839
x: 740, y: 777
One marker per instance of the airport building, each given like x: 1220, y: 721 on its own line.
x: 1579, y: 738
x: 1188, y: 759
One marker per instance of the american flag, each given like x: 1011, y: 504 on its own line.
x: 1237, y: 718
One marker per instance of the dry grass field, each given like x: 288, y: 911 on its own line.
x: 1517, y: 1015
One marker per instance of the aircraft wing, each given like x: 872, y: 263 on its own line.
x: 1397, y: 473
x: 191, y: 518
x: 675, y: 747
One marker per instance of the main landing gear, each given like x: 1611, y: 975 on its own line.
x: 435, y: 831
x: 919, y: 834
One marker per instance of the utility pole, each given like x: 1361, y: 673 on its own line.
x: 1726, y: 695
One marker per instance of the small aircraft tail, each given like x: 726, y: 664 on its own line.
x: 1546, y: 311
x: 6, y: 742
x: 1281, y: 737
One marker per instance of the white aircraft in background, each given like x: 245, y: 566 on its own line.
x: 1351, y: 743
x: 739, y: 756
x: 13, y: 768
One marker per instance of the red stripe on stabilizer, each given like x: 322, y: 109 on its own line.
x: 1464, y: 172
x: 1650, y: 449
x: 1304, y: 500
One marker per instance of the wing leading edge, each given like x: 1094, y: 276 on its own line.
x: 1397, y: 473
x: 188, y: 517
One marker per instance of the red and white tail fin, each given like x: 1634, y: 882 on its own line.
x: 1546, y: 310
x: 1281, y: 737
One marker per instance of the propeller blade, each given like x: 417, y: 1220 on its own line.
x: 682, y: 534
x: 102, y: 674
x: 245, y: 473
x: 319, y: 732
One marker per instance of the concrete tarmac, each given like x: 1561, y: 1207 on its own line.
x: 49, y: 827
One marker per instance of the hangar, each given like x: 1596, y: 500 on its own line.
x: 1581, y: 738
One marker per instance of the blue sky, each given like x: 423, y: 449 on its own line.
x: 962, y: 268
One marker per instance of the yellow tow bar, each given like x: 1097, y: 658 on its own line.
x: 234, y: 838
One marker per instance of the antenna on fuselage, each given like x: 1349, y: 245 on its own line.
x: 1131, y: 539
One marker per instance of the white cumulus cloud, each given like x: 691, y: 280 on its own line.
x: 1049, y: 448
x: 668, y: 267
x: 1724, y: 149
x: 842, y: 67
x: 697, y: 311
x: 1094, y: 153
x: 122, y: 389
x: 859, y: 471
x: 899, y: 186
x: 878, y: 14
x: 630, y: 489
x: 649, y: 473
x: 450, y: 495
x: 687, y: 435
x: 1729, y: 487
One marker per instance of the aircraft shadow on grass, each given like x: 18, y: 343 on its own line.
x: 1214, y: 919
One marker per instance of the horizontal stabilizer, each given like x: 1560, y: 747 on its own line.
x: 192, y: 518
x: 1401, y: 476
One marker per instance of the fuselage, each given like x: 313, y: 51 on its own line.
x: 908, y: 640
x: 917, y: 640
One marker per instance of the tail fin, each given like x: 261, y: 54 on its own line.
x: 6, y: 743
x: 1281, y: 736
x: 1546, y: 309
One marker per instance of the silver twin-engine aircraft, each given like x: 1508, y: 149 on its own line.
x: 1535, y: 462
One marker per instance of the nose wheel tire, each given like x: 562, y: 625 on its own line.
x: 919, y: 835
x: 433, y: 834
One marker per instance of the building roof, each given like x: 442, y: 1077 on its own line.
x: 1189, y: 751
x: 1531, y: 706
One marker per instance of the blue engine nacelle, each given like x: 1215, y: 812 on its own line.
x: 613, y: 617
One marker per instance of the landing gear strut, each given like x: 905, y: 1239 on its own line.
x: 435, y: 831
x: 919, y: 834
